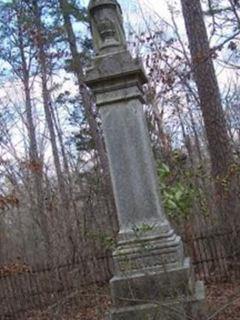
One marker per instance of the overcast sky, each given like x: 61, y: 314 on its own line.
x: 160, y: 6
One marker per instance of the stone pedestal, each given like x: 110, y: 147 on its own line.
x: 153, y: 280
x: 157, y: 294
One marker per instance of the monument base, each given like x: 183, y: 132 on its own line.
x: 158, y: 248
x: 180, y: 308
x: 160, y: 293
x: 153, y: 285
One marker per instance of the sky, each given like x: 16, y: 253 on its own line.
x: 160, y: 6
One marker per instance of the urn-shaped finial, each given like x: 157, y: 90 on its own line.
x: 106, y: 26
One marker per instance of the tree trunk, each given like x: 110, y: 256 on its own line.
x: 35, y: 164
x: 194, y: 129
x: 220, y: 150
x: 186, y: 138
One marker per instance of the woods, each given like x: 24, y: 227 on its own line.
x: 57, y: 202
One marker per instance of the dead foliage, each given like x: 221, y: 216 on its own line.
x: 223, y: 302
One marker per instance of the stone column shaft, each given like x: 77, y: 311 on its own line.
x: 131, y: 162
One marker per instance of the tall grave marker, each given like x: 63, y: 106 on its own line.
x: 153, y: 279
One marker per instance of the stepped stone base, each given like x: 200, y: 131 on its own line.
x: 167, y: 292
x: 158, y: 248
x: 153, y: 285
x: 153, y: 280
x: 181, y: 308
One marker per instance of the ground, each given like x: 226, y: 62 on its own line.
x: 223, y: 302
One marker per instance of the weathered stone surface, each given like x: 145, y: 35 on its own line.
x: 153, y: 285
x: 153, y: 280
x: 162, y: 251
x: 107, y: 26
x: 144, y: 230
x: 114, y: 66
x: 131, y: 163
x: 180, y: 308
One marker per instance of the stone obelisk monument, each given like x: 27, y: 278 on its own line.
x: 152, y: 278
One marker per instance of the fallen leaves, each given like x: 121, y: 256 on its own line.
x: 93, y: 303
x: 13, y: 269
x: 224, y: 301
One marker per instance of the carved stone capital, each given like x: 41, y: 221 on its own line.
x: 116, y: 77
x: 106, y: 26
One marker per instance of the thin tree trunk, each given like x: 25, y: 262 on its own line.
x: 187, y: 141
x: 196, y: 137
x: 163, y: 138
x: 35, y: 163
